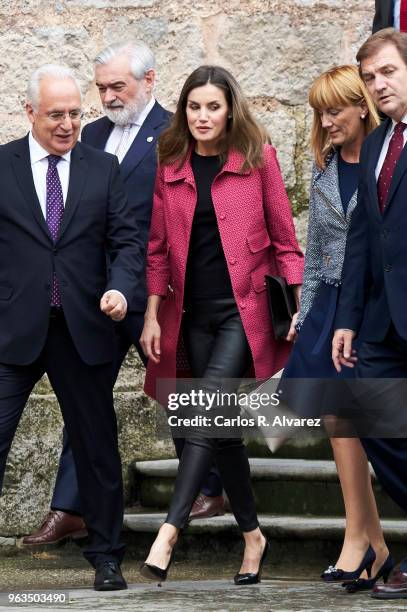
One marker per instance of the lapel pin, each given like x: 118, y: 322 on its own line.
x: 150, y: 138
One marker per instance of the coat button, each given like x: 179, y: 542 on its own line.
x: 222, y: 216
x: 384, y: 234
x: 232, y: 260
x: 242, y: 304
x: 387, y: 268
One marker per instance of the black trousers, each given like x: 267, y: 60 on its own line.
x: 217, y: 349
x: 85, y: 397
x: 387, y: 359
x: 66, y: 492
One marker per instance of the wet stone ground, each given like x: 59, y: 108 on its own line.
x: 192, y: 586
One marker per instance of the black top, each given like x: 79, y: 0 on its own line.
x: 207, y: 275
x: 348, y: 180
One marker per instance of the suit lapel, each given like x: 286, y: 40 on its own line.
x: 327, y: 183
x: 145, y: 140
x: 374, y: 153
x: 24, y: 177
x: 77, y: 179
x: 399, y: 171
x: 101, y: 136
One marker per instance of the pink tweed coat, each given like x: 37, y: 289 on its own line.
x: 258, y: 238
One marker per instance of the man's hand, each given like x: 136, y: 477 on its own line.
x: 113, y: 305
x: 342, y: 352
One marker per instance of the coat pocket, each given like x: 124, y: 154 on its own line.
x: 257, y: 278
x: 258, y: 240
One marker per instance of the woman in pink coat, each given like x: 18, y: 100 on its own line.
x: 221, y: 221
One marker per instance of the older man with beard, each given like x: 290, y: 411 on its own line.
x: 133, y: 121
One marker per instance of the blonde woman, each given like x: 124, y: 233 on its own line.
x: 343, y: 116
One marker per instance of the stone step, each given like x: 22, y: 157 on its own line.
x: 281, y: 486
x: 299, y: 544
x: 275, y: 526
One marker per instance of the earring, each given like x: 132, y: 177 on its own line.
x: 362, y: 116
x: 230, y: 116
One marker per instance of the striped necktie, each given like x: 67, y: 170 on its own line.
x: 121, y: 148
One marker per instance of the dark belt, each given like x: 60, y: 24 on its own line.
x: 56, y: 312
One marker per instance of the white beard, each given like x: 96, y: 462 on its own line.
x: 122, y: 115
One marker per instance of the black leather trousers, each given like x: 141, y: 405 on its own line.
x: 217, y: 348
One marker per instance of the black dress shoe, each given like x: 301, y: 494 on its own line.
x: 250, y: 577
x: 109, y: 577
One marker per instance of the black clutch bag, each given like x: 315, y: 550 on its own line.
x: 282, y: 304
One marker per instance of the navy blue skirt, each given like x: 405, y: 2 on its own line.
x: 319, y: 390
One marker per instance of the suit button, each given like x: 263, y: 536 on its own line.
x: 55, y: 251
x: 222, y: 216
x: 242, y: 304
x: 232, y: 260
x: 387, y: 268
x: 385, y: 233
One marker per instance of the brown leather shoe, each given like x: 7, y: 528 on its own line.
x: 57, y: 526
x: 205, y: 507
x: 395, y: 588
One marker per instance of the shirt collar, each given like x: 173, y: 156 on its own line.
x: 143, y: 115
x: 37, y: 152
x: 394, y: 123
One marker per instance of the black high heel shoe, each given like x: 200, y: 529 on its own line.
x: 153, y: 572
x: 250, y: 577
x: 363, y: 584
x: 334, y: 574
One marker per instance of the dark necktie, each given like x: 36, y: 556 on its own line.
x: 54, y: 212
x: 403, y: 16
x: 389, y: 164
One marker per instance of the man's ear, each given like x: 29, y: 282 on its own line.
x: 149, y: 78
x: 30, y: 112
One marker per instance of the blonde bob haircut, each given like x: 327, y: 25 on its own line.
x: 337, y: 87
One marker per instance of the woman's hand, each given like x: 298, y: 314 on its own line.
x: 150, y: 339
x: 292, y: 333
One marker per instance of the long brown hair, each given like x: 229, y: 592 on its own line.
x: 339, y: 86
x: 243, y: 133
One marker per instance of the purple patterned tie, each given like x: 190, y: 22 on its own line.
x: 54, y: 212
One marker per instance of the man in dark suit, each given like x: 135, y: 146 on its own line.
x: 390, y: 14
x: 125, y: 75
x: 63, y: 213
x: 374, y: 282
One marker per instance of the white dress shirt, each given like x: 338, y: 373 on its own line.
x: 386, y: 142
x: 39, y: 167
x: 117, y: 132
x: 396, y: 14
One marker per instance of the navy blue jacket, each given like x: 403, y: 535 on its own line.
x: 374, y: 280
x: 138, y: 170
x: 98, y: 223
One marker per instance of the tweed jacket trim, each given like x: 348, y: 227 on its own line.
x: 327, y: 232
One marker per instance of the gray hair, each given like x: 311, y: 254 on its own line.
x: 54, y: 70
x: 140, y: 55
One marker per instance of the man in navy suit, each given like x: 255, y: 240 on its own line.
x: 374, y: 282
x: 63, y: 214
x: 390, y: 13
x: 133, y: 121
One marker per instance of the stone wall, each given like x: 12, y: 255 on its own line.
x: 274, y: 47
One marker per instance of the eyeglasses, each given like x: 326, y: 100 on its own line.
x: 59, y: 117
